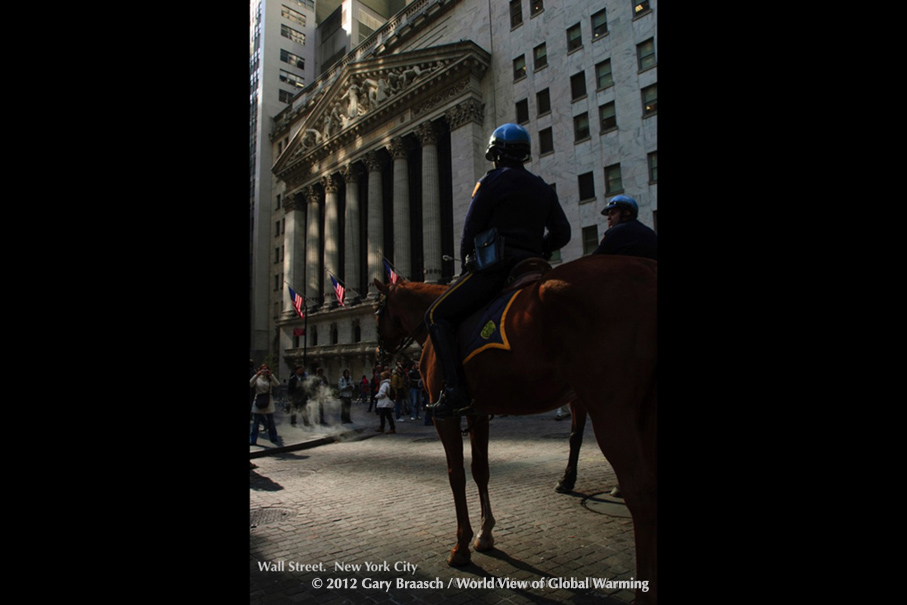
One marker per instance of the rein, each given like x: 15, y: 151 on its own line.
x: 385, y: 353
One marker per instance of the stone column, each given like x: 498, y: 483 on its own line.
x: 331, y: 238
x: 467, y: 144
x: 375, y: 224
x: 402, y: 244
x: 352, y: 243
x: 313, y: 267
x: 294, y: 256
x: 431, y: 203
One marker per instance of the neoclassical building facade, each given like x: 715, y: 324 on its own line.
x: 378, y: 158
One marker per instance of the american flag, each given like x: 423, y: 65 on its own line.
x: 339, y: 290
x: 298, y: 303
x: 390, y: 272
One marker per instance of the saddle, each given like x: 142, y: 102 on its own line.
x: 484, y: 329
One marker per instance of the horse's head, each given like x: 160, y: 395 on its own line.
x: 392, y: 334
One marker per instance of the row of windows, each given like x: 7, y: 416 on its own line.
x: 292, y: 79
x: 291, y: 34
x: 291, y: 15
x: 294, y: 60
x: 607, y: 116
x: 645, y: 58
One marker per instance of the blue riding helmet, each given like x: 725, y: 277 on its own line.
x: 623, y: 201
x: 510, y: 141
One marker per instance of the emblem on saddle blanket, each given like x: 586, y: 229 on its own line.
x: 485, y: 329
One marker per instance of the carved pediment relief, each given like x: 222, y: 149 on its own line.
x: 370, y: 92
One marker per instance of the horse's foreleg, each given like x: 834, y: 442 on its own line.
x: 479, y: 437
x: 577, y: 426
x: 452, y: 439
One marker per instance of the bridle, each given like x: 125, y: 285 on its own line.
x: 384, y: 352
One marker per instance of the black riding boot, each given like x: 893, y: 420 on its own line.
x: 453, y: 396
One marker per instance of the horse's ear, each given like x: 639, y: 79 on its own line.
x: 381, y: 287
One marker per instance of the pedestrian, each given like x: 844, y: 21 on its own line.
x: 384, y: 403
x: 298, y: 398
x: 319, y: 389
x: 398, y: 390
x: 363, y: 389
x: 345, y: 386
x: 514, y: 215
x: 625, y: 234
x: 415, y: 393
x: 263, y: 382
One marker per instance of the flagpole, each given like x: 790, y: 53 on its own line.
x: 345, y: 288
x: 305, y: 328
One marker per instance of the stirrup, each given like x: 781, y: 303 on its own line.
x: 443, y: 409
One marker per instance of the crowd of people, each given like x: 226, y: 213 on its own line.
x: 391, y: 394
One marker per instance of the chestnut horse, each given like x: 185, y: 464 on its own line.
x: 584, y: 332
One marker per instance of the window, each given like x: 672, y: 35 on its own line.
x: 580, y: 127
x: 516, y: 13
x: 522, y: 111
x: 603, y: 76
x: 292, y: 34
x: 278, y: 200
x: 292, y: 79
x: 653, y: 167
x: 599, y: 24
x: 276, y: 283
x: 645, y: 53
x: 586, y: 184
x: 519, y: 67
x: 314, y: 333
x: 613, y: 182
x: 649, y: 100
x: 295, y: 17
x: 546, y: 141
x: 535, y: 7
x: 607, y: 116
x: 539, y: 56
x: 285, y: 97
x: 640, y: 7
x: 277, y: 229
x: 578, y: 86
x: 543, y: 102
x: 294, y: 60
x: 334, y: 334
x: 276, y: 260
x: 590, y: 239
x: 574, y: 38
x: 276, y: 310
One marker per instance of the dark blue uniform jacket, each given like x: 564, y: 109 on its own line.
x: 522, y: 207
x: 631, y: 238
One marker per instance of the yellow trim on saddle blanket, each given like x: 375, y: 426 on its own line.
x: 496, y: 345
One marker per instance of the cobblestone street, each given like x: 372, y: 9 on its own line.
x: 353, y: 521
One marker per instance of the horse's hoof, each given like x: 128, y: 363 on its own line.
x: 616, y: 492
x: 483, y: 544
x: 563, y: 488
x: 457, y: 559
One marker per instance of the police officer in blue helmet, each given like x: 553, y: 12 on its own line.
x: 626, y: 235
x: 513, y: 215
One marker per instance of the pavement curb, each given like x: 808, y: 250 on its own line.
x: 327, y: 439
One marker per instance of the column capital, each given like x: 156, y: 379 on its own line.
x: 373, y: 161
x: 469, y: 110
x: 350, y: 172
x: 427, y: 133
x: 329, y: 183
x: 397, y: 149
x: 311, y: 195
x: 295, y: 201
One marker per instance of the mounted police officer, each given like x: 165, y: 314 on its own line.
x: 626, y: 235
x: 514, y: 215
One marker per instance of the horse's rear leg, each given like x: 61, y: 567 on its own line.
x: 452, y: 439
x: 627, y: 439
x: 578, y: 425
x: 478, y: 435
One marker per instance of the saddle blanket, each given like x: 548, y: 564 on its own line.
x: 485, y: 329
